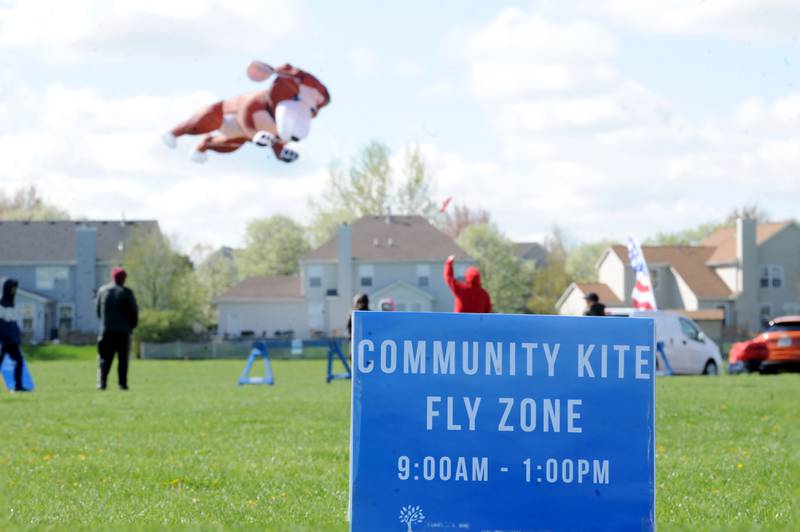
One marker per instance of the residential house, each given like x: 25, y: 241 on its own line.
x: 531, y: 252
x: 59, y: 266
x: 733, y: 282
x: 398, y: 257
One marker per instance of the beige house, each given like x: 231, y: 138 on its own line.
x: 398, y: 257
x: 732, y: 283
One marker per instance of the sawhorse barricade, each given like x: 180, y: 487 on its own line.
x: 261, y: 349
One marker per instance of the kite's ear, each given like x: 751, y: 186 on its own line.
x: 258, y: 71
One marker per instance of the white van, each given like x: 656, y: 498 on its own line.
x: 688, y: 349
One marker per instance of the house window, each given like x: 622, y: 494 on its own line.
x: 423, y: 274
x: 765, y: 314
x: 776, y: 276
x: 315, y: 276
x: 48, y: 276
x: 770, y: 276
x: 459, y: 271
x: 65, y: 316
x: 365, y: 274
x: 26, y: 312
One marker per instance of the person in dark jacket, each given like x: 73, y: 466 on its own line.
x: 10, y: 335
x: 119, y: 315
x: 593, y: 305
x: 469, y: 295
x: 360, y: 302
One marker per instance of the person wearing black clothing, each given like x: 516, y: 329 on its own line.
x: 593, y: 305
x: 360, y: 302
x: 10, y: 335
x: 119, y: 315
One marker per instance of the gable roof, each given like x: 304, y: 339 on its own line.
x: 264, y: 287
x: 689, y: 262
x: 54, y: 241
x: 532, y: 251
x: 388, y: 289
x: 724, y: 240
x: 603, y: 291
x: 403, y: 238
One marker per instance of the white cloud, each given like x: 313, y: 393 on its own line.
x: 768, y: 20
x: 119, y: 29
x: 600, y: 153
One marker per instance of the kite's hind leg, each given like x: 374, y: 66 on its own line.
x: 204, y: 121
x: 218, y: 143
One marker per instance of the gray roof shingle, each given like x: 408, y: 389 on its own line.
x: 405, y: 238
x: 55, y: 241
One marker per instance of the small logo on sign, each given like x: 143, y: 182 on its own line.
x: 410, y: 515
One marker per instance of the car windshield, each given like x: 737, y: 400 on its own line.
x: 788, y: 326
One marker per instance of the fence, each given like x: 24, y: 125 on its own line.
x: 232, y: 350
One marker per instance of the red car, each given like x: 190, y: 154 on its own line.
x: 777, y: 347
x: 747, y: 356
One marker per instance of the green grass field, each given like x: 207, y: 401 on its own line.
x: 188, y: 449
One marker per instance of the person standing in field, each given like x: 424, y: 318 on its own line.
x: 360, y: 302
x: 593, y: 305
x: 119, y: 315
x: 10, y: 334
x: 469, y: 295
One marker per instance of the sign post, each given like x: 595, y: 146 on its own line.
x: 502, y: 423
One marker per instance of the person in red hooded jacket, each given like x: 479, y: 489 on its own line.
x: 469, y: 295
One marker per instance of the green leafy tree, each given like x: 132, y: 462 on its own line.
x: 26, y: 204
x: 686, y: 237
x: 217, y: 271
x: 550, y: 281
x: 273, y: 246
x: 504, y: 276
x: 166, y: 287
x: 414, y: 193
x: 581, y: 261
x: 368, y: 186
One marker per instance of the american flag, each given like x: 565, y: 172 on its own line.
x: 642, y: 297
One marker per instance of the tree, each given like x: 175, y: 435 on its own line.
x: 217, y: 271
x: 752, y: 211
x: 504, y: 276
x: 414, y: 193
x: 550, y: 281
x: 410, y: 515
x: 463, y: 217
x: 369, y: 186
x: 170, y: 298
x: 273, y: 246
x: 686, y: 237
x: 581, y: 262
x: 26, y: 204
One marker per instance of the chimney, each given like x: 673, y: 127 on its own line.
x: 344, y: 259
x: 388, y: 214
x: 85, y: 277
x: 747, y: 274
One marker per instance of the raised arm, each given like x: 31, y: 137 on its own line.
x: 450, y: 278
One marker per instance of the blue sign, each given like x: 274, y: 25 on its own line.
x: 502, y: 422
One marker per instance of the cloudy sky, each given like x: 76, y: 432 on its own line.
x: 604, y: 117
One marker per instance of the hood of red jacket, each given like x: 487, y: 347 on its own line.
x: 472, y: 276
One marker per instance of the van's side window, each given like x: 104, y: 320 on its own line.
x: 690, y: 330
